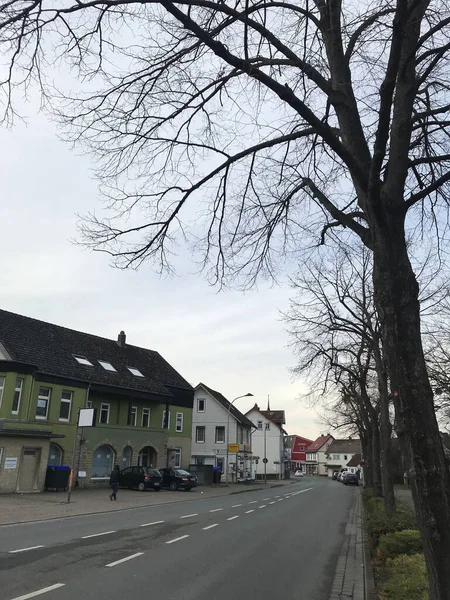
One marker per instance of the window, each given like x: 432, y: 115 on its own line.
x: 66, y: 403
x: 102, y: 461
x: 43, y: 403
x: 133, y: 416
x: 145, y: 417
x: 179, y: 423
x: 164, y: 421
x: 345, y: 457
x: 267, y: 426
x: 177, y: 458
x: 107, y: 366
x: 200, y: 460
x: 260, y: 425
x: 220, y: 434
x: 17, y: 396
x: 241, y: 435
x: 104, y: 413
x: 55, y: 456
x: 2, y: 387
x: 302, y: 448
x: 201, y: 404
x: 126, y: 457
x: 200, y: 435
x: 135, y: 372
x: 82, y: 360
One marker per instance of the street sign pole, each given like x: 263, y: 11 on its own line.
x: 265, y: 453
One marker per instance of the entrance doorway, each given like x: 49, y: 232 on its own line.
x: 147, y: 457
x: 29, y: 469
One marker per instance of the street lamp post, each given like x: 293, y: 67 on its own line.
x: 228, y: 434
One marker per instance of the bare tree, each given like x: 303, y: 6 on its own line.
x: 291, y: 118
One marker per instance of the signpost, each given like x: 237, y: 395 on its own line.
x: 86, y: 418
x: 233, y: 448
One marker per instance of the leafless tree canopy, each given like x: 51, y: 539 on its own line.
x: 256, y: 128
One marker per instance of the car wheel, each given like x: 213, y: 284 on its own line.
x: 173, y: 486
x: 141, y: 487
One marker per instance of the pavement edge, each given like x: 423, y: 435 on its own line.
x: 369, y: 581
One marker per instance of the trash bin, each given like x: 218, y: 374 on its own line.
x: 57, y: 478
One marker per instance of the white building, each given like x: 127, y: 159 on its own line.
x: 268, y: 440
x: 344, y: 453
x: 316, y: 455
x: 210, y: 417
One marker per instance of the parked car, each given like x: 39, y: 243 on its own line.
x: 341, y: 474
x: 335, y: 475
x: 350, y: 479
x: 298, y: 474
x: 141, y: 478
x: 175, y: 479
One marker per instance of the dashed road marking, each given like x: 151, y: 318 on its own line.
x: 253, y: 502
x: 264, y: 499
x: 232, y: 518
x: 39, y: 592
x: 249, y: 511
x: 178, y: 539
x: 210, y: 526
x: 216, y: 509
x: 148, y: 524
x: 274, y: 502
x: 122, y: 560
x: 25, y: 549
x: 262, y: 506
x: 85, y: 537
x: 188, y: 516
x: 236, y: 505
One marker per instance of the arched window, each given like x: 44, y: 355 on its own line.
x: 102, y: 462
x: 55, y: 456
x: 126, y: 457
x: 147, y: 457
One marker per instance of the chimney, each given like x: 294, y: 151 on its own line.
x: 121, y: 339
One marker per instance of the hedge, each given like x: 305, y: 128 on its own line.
x: 406, y: 579
x: 395, y: 544
x: 379, y: 523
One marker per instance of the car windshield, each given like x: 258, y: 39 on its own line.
x: 181, y: 472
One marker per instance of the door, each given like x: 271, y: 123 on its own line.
x: 29, y: 469
x: 126, y: 477
x: 138, y: 476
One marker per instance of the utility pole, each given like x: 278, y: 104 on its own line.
x: 265, y: 453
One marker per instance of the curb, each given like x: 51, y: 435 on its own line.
x: 103, y: 512
x: 369, y: 582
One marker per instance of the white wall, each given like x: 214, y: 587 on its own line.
x: 274, y: 443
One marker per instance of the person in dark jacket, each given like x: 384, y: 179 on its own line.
x: 114, y: 482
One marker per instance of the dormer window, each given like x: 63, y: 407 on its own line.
x: 107, y: 366
x: 82, y: 360
x: 135, y: 372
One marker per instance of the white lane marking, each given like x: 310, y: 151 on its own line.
x: 42, y: 591
x: 210, y: 526
x: 249, y: 511
x: 274, y: 502
x: 216, y: 509
x: 85, y: 537
x: 154, y: 523
x: 188, y: 516
x: 281, y: 500
x: 264, y: 499
x: 122, y: 560
x: 232, y: 518
x: 24, y: 549
x: 236, y: 505
x: 276, y: 496
x: 303, y: 491
x: 253, y: 502
x: 177, y: 539
x: 262, y: 506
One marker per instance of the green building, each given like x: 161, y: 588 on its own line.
x: 48, y: 372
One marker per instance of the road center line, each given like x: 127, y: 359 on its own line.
x: 39, y: 592
x: 216, y: 509
x: 280, y: 499
x: 262, y: 506
x: 122, y: 560
x: 232, y: 518
x: 188, y: 516
x: 277, y: 496
x: 236, y: 505
x: 264, y: 499
x: 148, y: 524
x: 24, y: 549
x: 272, y: 502
x: 85, y: 537
x: 249, y: 511
x: 210, y: 526
x: 253, y: 502
x: 177, y: 539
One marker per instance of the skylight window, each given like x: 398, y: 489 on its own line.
x: 82, y: 360
x: 135, y: 371
x: 107, y: 366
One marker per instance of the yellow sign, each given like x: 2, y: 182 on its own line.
x: 233, y: 447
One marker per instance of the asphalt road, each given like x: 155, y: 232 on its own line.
x: 279, y: 543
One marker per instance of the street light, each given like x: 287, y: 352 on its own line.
x: 228, y: 433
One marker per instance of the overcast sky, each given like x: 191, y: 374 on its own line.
x: 231, y: 341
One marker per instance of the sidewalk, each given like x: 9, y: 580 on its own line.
x: 22, y: 508
x: 353, y: 568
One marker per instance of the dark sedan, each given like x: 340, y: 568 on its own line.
x: 350, y: 479
x: 141, y: 478
x: 176, y: 479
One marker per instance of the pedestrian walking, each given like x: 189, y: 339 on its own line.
x: 114, y: 482
x: 217, y: 474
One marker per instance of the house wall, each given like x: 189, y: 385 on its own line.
x: 274, y: 444
x: 12, y: 447
x: 338, y: 461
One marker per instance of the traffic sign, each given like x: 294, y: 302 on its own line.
x: 233, y: 447
x: 265, y: 461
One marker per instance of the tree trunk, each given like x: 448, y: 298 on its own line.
x: 376, y: 462
x: 367, y: 455
x: 396, y: 296
x: 387, y: 478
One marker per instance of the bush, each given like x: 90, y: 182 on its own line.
x: 379, y: 523
x: 395, y: 544
x: 406, y: 579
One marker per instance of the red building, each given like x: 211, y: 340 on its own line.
x: 296, y: 447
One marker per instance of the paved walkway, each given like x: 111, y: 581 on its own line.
x: 21, y: 508
x: 404, y: 496
x: 349, y: 577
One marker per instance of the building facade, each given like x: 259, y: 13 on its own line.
x: 316, y: 455
x: 344, y: 453
x: 214, y: 421
x: 268, y: 441
x: 48, y: 373
x: 296, y: 448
